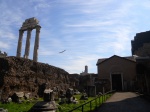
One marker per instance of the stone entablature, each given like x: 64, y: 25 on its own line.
x: 29, y: 25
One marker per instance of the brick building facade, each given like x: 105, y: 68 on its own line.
x: 120, y: 71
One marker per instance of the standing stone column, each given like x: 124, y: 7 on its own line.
x: 27, y: 49
x: 19, y: 43
x: 36, y: 44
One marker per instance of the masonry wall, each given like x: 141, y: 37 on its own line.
x: 121, y: 66
x: 139, y: 40
x: 25, y: 75
x: 144, y: 50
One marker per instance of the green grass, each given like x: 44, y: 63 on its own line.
x: 15, y: 107
x: 68, y: 107
x: 25, y: 106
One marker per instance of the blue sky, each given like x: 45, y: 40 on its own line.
x: 86, y: 29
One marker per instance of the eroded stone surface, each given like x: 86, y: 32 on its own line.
x: 25, y: 75
x: 44, y: 107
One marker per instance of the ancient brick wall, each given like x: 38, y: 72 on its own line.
x: 19, y: 74
x: 144, y: 50
x: 139, y: 40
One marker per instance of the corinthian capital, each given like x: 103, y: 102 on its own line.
x: 38, y: 27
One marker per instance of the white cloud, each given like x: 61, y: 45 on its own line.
x: 10, y: 19
x: 117, y: 41
x: 91, y: 24
x: 41, y: 5
x: 77, y: 64
x: 4, y: 34
x: 4, y: 45
x: 145, y: 4
x: 44, y: 52
x: 85, y: 3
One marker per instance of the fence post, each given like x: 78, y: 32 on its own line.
x: 99, y: 100
x: 102, y: 97
x: 90, y: 106
x: 96, y: 102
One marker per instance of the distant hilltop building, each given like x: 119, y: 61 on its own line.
x: 85, y: 71
x: 2, y: 54
x: 141, y: 44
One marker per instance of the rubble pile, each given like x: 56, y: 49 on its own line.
x: 19, y: 74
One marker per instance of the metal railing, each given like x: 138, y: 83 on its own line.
x: 101, y: 99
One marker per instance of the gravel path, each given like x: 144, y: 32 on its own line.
x: 125, y: 102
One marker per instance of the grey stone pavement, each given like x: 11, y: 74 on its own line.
x: 125, y: 102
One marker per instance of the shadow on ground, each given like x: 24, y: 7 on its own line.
x: 135, y: 104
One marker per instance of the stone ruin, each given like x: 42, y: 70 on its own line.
x: 25, y: 75
x: 84, y: 96
x: 21, y: 77
x: 29, y: 25
x: 48, y: 105
x: 48, y: 95
x: 16, y: 97
x: 69, y: 94
x: 2, y: 54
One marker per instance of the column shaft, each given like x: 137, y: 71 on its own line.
x: 18, y: 54
x: 36, y: 44
x: 27, y: 49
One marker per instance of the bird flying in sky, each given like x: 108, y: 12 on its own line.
x: 62, y: 51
